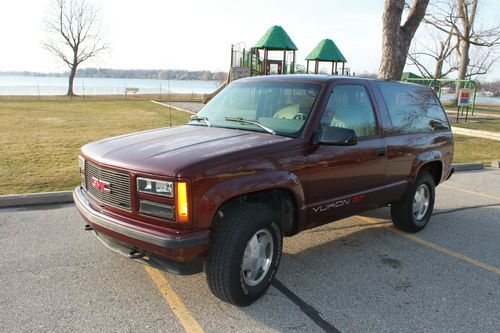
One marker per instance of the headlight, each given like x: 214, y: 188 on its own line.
x: 156, y: 187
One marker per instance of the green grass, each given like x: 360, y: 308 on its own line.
x: 486, y: 108
x: 481, y: 108
x: 40, y: 140
x: 492, y: 125
x: 471, y: 149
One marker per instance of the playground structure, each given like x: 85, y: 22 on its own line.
x: 274, y: 53
x: 327, y: 51
x: 437, y: 85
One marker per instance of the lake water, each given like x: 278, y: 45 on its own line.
x: 46, y: 85
x: 34, y: 85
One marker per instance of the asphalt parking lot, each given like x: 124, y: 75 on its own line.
x: 355, y: 275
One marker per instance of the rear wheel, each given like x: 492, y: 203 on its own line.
x: 245, y: 254
x: 413, y: 214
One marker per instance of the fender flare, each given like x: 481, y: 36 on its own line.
x: 423, y: 159
x: 214, y: 197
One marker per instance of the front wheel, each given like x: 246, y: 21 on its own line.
x: 244, y: 254
x: 413, y: 214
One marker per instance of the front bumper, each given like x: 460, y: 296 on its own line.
x: 119, y: 235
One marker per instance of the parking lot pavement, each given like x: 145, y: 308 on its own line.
x: 355, y: 275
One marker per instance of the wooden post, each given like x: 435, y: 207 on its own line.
x: 232, y: 54
x: 293, y: 63
x: 283, y: 69
x: 316, y: 63
x: 265, y: 62
x: 307, y: 66
x: 332, y: 67
x: 343, y: 63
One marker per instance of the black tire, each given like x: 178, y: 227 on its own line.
x: 402, y: 213
x: 224, y: 266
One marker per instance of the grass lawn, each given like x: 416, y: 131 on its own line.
x: 481, y: 108
x: 488, y: 108
x: 492, y: 125
x: 470, y: 149
x: 40, y: 140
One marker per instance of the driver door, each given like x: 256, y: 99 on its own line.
x: 344, y: 180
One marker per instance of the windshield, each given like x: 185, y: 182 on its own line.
x: 280, y: 107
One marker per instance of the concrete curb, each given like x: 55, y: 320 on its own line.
x: 468, y: 166
x: 43, y: 198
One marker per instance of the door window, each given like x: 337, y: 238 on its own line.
x: 349, y: 106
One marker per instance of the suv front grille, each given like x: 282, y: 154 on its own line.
x: 119, y: 186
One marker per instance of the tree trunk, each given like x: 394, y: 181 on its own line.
x: 72, y: 75
x: 396, y: 38
x: 464, y: 63
x: 438, y: 69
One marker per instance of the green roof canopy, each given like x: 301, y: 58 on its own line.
x: 275, y: 38
x: 326, y: 50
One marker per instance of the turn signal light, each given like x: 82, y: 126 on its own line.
x: 182, y: 202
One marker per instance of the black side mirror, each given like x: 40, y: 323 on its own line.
x: 337, y: 136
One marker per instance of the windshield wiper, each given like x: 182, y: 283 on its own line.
x: 248, y: 121
x: 198, y: 118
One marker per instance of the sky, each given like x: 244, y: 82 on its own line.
x: 197, y: 34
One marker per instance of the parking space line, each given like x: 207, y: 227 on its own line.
x: 434, y: 246
x: 470, y: 191
x: 178, y: 308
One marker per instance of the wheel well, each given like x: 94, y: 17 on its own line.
x: 435, y: 168
x: 281, y: 201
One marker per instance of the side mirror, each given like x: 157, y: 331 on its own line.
x: 337, y: 136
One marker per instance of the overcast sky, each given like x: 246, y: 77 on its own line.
x: 197, y: 34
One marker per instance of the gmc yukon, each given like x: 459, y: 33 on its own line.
x: 268, y: 157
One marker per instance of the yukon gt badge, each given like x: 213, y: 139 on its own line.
x: 101, y: 185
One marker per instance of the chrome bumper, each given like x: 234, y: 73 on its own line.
x: 113, y: 224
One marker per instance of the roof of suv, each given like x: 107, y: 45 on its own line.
x: 317, y: 78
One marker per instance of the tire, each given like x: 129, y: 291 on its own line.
x: 413, y: 214
x: 232, y: 265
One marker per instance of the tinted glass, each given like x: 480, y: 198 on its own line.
x: 349, y: 106
x: 413, y: 108
x: 281, y: 106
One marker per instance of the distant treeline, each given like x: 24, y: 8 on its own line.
x: 159, y: 74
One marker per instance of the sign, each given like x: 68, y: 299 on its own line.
x: 465, y: 96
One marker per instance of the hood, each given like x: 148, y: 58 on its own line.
x: 167, y: 150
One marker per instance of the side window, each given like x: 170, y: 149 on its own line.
x: 412, y: 108
x: 349, y: 106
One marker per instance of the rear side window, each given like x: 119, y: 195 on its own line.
x: 413, y: 109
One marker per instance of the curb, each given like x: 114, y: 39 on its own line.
x: 43, y: 198
x: 468, y: 166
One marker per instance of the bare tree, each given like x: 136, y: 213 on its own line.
x: 439, y: 52
x: 460, y: 17
x: 396, y: 38
x: 74, y: 34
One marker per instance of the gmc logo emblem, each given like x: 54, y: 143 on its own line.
x: 101, y: 185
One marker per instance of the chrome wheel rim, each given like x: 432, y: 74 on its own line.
x: 421, y: 201
x: 257, y: 257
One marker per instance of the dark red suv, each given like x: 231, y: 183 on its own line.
x: 268, y: 157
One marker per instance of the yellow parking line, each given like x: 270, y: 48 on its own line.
x: 434, y: 246
x: 178, y: 308
x: 470, y: 191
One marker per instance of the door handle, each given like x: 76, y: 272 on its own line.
x: 381, y: 152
